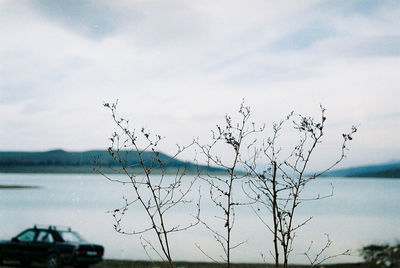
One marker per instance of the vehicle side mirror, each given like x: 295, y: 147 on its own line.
x: 14, y: 239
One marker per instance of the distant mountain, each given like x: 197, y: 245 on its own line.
x: 387, y: 170
x: 60, y: 161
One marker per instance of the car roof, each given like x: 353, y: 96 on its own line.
x: 52, y: 228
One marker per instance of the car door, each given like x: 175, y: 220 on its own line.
x: 19, y: 247
x: 41, y: 245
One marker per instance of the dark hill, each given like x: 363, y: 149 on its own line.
x: 60, y: 161
x: 386, y: 170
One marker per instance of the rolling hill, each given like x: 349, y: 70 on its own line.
x: 60, y: 161
x: 386, y: 170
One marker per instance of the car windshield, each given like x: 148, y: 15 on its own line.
x: 71, y: 237
x: 27, y: 236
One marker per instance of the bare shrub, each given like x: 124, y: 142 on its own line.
x: 145, y: 169
x: 233, y: 137
x: 278, y: 183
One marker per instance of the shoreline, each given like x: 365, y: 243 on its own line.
x: 110, y: 263
x: 11, y: 187
x: 98, y: 171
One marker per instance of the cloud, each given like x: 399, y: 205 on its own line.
x: 178, y: 66
x: 95, y: 19
x: 303, y: 38
x: 356, y: 7
x: 364, y: 46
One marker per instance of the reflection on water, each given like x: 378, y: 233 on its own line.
x: 362, y: 211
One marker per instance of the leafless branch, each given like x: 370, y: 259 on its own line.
x: 157, y: 194
x: 319, y: 258
x: 279, y: 187
x: 221, y: 188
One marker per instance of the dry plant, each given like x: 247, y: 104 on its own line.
x: 383, y: 255
x: 278, y: 184
x: 144, y: 168
x: 232, y: 137
x: 320, y: 256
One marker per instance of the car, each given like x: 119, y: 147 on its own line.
x: 53, y: 246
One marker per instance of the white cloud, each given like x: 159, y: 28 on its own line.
x: 178, y: 67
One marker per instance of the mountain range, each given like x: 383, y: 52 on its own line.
x: 385, y: 170
x: 60, y: 161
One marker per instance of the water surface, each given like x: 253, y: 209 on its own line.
x: 361, y: 212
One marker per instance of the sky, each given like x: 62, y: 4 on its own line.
x: 178, y: 67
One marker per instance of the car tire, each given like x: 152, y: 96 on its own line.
x: 53, y: 261
x: 26, y: 263
x: 82, y: 266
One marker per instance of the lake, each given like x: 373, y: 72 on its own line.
x: 361, y: 212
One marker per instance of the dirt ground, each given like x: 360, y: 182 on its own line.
x: 146, y: 264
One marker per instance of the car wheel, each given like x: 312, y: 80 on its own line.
x: 25, y: 263
x: 53, y: 261
x: 82, y: 266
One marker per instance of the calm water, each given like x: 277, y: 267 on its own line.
x: 362, y: 211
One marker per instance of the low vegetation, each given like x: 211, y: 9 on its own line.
x: 382, y: 255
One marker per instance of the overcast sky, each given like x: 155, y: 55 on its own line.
x: 177, y: 67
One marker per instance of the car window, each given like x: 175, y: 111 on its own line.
x: 45, y: 236
x: 27, y: 236
x: 71, y: 237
